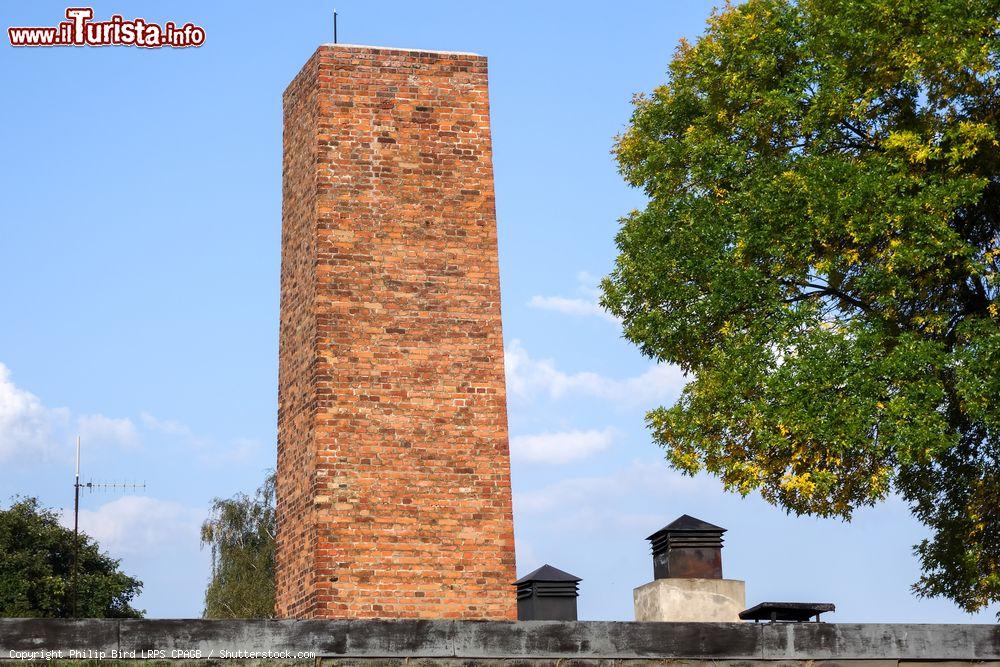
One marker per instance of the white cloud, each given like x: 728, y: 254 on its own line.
x: 236, y: 450
x: 527, y: 377
x: 134, y: 524
x: 98, y: 429
x: 29, y: 429
x: 175, y: 429
x: 570, y: 306
x: 585, y: 305
x: 26, y: 425
x: 652, y: 481
x: 166, y: 426
x: 560, y: 447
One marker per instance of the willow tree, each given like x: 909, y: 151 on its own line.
x: 240, y: 532
x: 819, y: 253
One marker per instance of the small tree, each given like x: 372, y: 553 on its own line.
x: 240, y: 532
x: 821, y: 253
x: 36, y: 569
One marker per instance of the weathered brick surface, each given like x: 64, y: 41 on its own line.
x: 393, y: 465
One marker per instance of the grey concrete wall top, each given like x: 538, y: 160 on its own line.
x: 487, y: 639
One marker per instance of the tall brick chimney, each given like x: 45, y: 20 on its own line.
x: 393, y: 491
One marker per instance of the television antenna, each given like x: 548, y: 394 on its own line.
x: 90, y: 486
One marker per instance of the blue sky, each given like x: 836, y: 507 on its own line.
x: 139, y: 253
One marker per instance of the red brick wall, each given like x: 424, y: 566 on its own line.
x: 393, y: 465
x: 294, y: 576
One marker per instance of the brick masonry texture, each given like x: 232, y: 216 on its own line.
x: 393, y: 491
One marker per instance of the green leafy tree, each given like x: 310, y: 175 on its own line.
x: 819, y: 252
x: 240, y: 532
x: 36, y: 570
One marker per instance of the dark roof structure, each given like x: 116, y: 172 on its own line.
x: 786, y: 611
x: 687, y: 523
x: 547, y: 573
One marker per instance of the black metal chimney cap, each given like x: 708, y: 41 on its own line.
x: 686, y: 532
x: 687, y: 548
x: 547, y: 594
x: 547, y: 573
x: 686, y: 523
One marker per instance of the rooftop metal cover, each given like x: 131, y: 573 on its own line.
x: 547, y: 594
x: 547, y: 573
x: 687, y: 531
x: 786, y: 611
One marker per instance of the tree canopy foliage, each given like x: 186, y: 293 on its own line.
x: 820, y: 253
x: 36, y: 566
x: 241, y: 532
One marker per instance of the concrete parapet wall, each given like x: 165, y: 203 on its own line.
x: 484, y: 642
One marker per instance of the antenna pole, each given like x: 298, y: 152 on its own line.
x: 76, y: 523
x: 334, y: 26
x: 91, y: 486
